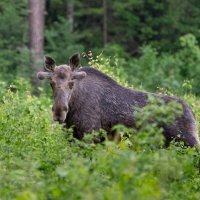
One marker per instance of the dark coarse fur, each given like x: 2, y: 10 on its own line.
x: 98, y: 102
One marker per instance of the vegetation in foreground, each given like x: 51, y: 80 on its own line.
x: 42, y: 161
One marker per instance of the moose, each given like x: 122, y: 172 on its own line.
x: 87, y: 99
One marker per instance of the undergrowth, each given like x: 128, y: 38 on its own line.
x: 39, y: 160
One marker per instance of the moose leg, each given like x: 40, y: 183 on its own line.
x: 87, y: 128
x: 78, y: 134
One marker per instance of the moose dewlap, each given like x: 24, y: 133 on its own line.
x: 87, y: 99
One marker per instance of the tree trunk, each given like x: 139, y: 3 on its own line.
x: 36, y: 36
x: 105, y: 28
x: 70, y: 14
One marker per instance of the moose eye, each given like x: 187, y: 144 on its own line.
x: 52, y: 83
x: 62, y: 76
x: 71, y: 84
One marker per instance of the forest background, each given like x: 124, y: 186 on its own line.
x: 155, y: 42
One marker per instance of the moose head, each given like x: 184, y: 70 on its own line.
x: 62, y: 79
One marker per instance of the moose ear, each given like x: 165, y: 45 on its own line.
x: 78, y: 75
x: 44, y: 75
x: 49, y: 63
x: 74, y: 61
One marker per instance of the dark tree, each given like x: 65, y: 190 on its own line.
x: 36, y: 35
x: 105, y: 28
x: 70, y: 13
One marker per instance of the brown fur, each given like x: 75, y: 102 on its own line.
x: 96, y: 102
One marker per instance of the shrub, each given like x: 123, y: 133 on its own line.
x: 170, y: 71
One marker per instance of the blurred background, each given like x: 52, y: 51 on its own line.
x: 155, y: 42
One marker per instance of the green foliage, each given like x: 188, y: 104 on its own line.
x: 158, y: 112
x: 42, y: 161
x: 151, y: 70
x: 174, y: 72
x: 189, y: 59
x: 159, y: 23
x: 12, y: 38
x: 151, y: 118
x: 111, y: 67
x: 60, y: 42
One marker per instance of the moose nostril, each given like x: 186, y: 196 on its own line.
x: 60, y: 121
x: 66, y: 109
x: 60, y: 116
